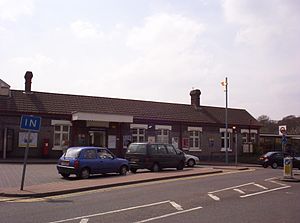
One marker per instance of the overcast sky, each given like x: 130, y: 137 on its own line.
x: 157, y: 50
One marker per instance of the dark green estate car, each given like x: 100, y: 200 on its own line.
x: 154, y: 156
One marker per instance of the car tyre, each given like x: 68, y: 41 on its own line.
x: 133, y: 170
x: 191, y: 163
x: 180, y: 166
x: 155, y: 167
x: 85, y: 173
x: 65, y: 175
x: 274, y: 165
x: 123, y: 170
x: 265, y: 165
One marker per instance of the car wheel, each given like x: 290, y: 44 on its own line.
x: 85, y: 173
x: 65, y: 175
x: 155, y: 167
x: 191, y: 162
x: 180, y: 166
x: 123, y: 170
x: 133, y: 170
x: 265, y: 165
x: 274, y: 165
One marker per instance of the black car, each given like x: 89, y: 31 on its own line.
x: 154, y: 156
x: 275, y: 159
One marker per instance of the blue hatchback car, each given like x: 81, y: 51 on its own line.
x: 84, y: 161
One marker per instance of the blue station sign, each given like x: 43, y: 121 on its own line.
x: 30, y: 123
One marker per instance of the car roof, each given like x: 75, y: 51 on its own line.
x: 150, y: 143
x: 86, y: 147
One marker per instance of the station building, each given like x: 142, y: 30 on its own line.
x: 78, y: 120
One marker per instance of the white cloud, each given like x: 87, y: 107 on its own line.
x: 37, y: 62
x: 84, y: 29
x: 263, y: 23
x: 168, y: 56
x: 12, y: 9
x: 165, y: 31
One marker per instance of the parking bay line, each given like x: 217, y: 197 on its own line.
x: 261, y: 186
x: 239, y: 190
x: 230, y: 188
x: 168, y: 215
x: 114, y: 211
x: 176, y: 206
x: 265, y: 191
x: 216, y: 198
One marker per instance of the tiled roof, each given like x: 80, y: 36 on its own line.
x: 64, y: 104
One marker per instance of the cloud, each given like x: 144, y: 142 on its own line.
x: 85, y: 30
x: 167, y: 31
x: 263, y: 22
x: 168, y: 55
x: 37, y: 62
x: 12, y: 9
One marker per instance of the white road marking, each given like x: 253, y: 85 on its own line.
x: 214, y: 197
x: 261, y: 186
x: 272, y: 178
x: 265, y: 191
x: 230, y: 188
x: 84, y: 220
x: 112, y: 212
x: 168, y: 215
x: 275, y: 182
x: 176, y: 206
x: 240, y: 191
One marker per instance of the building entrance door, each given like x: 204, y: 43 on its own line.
x: 98, y: 138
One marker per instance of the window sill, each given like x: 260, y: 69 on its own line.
x: 58, y: 148
x: 195, y: 150
x: 223, y: 150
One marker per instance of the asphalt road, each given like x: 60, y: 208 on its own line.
x: 244, y: 196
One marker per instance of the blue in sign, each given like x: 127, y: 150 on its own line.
x: 31, y: 123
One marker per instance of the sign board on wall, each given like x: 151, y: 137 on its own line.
x: 23, y: 139
x: 112, y: 140
x: 185, y: 144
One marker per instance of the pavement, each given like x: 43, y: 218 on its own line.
x: 42, y: 179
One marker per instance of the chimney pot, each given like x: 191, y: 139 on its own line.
x: 195, y: 98
x: 28, y: 77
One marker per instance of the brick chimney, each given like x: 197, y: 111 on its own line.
x: 28, y: 77
x: 195, y: 98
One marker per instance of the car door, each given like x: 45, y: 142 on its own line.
x: 107, y: 161
x: 173, y: 157
x: 163, y: 155
x: 90, y: 160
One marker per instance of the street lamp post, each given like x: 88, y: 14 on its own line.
x: 226, y: 118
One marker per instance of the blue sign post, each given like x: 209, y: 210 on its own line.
x: 29, y: 123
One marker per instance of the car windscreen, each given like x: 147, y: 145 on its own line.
x: 269, y: 154
x: 137, y: 149
x: 72, y: 153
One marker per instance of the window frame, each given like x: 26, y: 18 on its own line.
x: 222, y: 137
x: 161, y: 137
x: 195, y: 135
x: 61, y: 132
x: 140, y: 134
